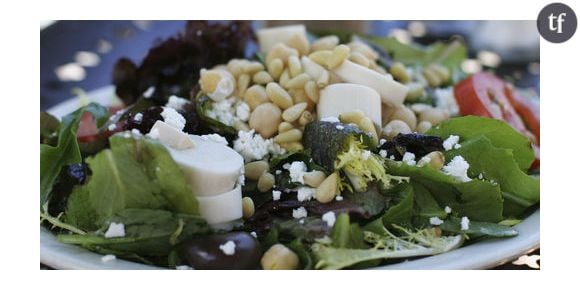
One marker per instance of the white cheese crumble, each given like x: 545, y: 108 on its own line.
x: 480, y: 176
x: 447, y: 209
x: 223, y: 111
x: 392, y: 157
x: 339, y: 198
x: 138, y: 117
x: 243, y: 111
x: 450, y: 142
x: 366, y: 154
x: 276, y: 194
x: 383, y: 153
x: 382, y: 141
x: 445, y: 100
x: 229, y: 248
x: 457, y: 168
x: 136, y: 133
x: 183, y: 267
x: 409, y: 158
x: 435, y: 221
x: 457, y: 146
x: 115, y: 230
x: 253, y: 147
x: 112, y: 127
x: 254, y: 234
x: 464, y: 223
x: 339, y: 127
x: 149, y: 92
x: 299, y: 213
x: 329, y: 218
x: 173, y: 118
x: 305, y: 193
x: 217, y: 138
x: 297, y: 170
x: 108, y: 258
x: 176, y: 103
x: 278, y: 171
x: 330, y: 119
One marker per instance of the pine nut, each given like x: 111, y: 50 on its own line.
x: 284, y: 126
x: 367, y: 125
x: 441, y: 71
x: 432, y: 78
x: 241, y: 126
x: 399, y: 72
x: 243, y: 83
x: 314, y: 178
x: 281, y: 51
x: 423, y: 127
x: 293, y: 113
x: 436, y: 159
x: 284, y: 78
x: 364, y: 49
x: 266, y: 182
x: 378, y: 69
x: 299, y: 96
x: 265, y: 119
x: 247, y: 207
x: 292, y: 146
x: 294, y: 66
x: 323, y: 79
x: 433, y: 116
x: 254, y: 170
x: 298, y: 81
x: 252, y: 67
x: 262, y: 78
x: 312, y: 91
x: 328, y: 189
x: 275, y: 68
x: 255, y: 96
x: 325, y: 43
x: 352, y: 117
x: 279, y: 96
x: 235, y: 67
x: 300, y: 43
x: 394, y: 127
x: 209, y: 80
x: 359, y: 58
x: 416, y: 91
x: 406, y: 115
x: 339, y: 54
x: 279, y: 257
x: 305, y: 118
x: 320, y: 57
x: 289, y: 136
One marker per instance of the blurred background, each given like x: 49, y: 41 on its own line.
x: 81, y: 54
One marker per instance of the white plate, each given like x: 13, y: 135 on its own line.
x: 483, y: 255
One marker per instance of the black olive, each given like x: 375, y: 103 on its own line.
x: 204, y: 253
x: 418, y: 144
x: 147, y: 120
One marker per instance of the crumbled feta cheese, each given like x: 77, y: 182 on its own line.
x: 254, y: 234
x: 305, y: 193
x: 445, y: 100
x: 464, y: 223
x: 108, y: 258
x: 339, y: 127
x: 217, y: 138
x: 392, y: 157
x: 329, y: 218
x: 243, y: 111
x: 382, y: 141
x: 450, y: 142
x: 409, y: 158
x: 339, y: 198
x: 138, y: 117
x: 299, y: 213
x: 223, y: 111
x: 173, y: 118
x: 383, y: 153
x: 112, y: 127
x: 301, y: 221
x: 278, y: 171
x: 365, y: 155
x: 253, y: 147
x: 149, y: 92
x: 297, y: 170
x: 447, y: 209
x: 457, y: 146
x: 176, y: 103
x: 457, y: 168
x: 136, y: 133
x: 115, y: 230
x: 127, y: 134
x: 229, y: 248
x: 183, y: 267
x: 435, y: 221
x: 480, y: 176
x: 276, y: 194
x: 330, y: 119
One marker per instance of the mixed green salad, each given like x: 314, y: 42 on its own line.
x: 318, y: 152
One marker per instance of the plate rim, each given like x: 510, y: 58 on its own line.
x: 471, y: 257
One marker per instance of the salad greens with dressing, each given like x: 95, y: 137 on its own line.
x: 291, y: 160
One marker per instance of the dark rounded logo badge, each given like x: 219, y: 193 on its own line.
x: 557, y: 22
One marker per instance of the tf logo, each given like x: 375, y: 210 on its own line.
x: 557, y: 22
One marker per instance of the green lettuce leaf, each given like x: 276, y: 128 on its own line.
x: 499, y: 133
x: 134, y: 173
x: 67, y: 151
x: 453, y: 225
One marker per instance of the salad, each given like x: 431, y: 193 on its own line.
x: 316, y: 152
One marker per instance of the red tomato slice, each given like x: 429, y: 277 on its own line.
x: 486, y: 95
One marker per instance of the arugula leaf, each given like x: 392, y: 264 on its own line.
x: 425, y: 204
x: 499, y: 133
x: 67, y: 151
x: 453, y: 225
x: 148, y: 232
x: 402, y: 212
x: 347, y: 235
x: 371, y: 200
x: 134, y: 173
